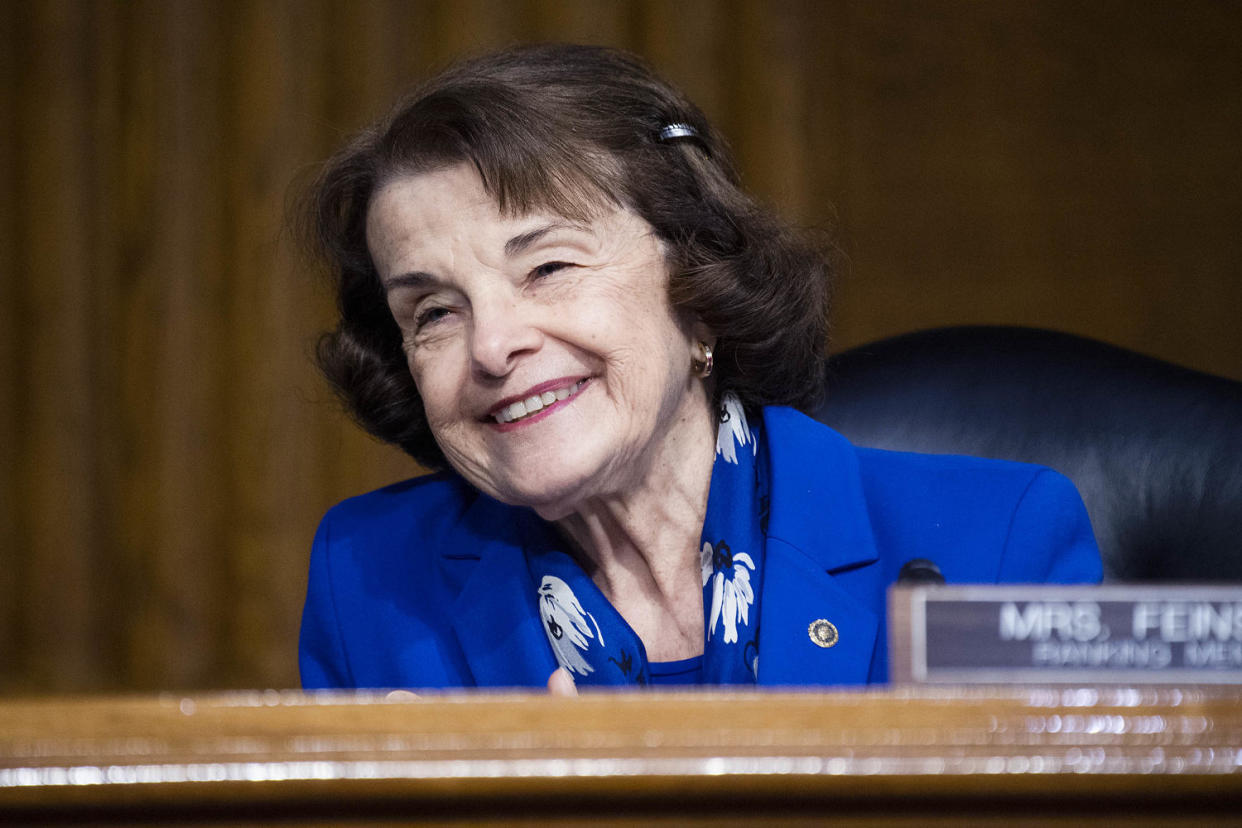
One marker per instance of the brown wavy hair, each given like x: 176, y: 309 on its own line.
x: 569, y: 129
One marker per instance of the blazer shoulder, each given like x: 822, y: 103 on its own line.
x: 883, y: 467
x: 986, y: 520
x: 438, y: 495
x: 386, y: 568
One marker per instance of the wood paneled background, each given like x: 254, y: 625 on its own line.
x: 166, y: 447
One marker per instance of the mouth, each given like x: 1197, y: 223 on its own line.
x: 539, y: 400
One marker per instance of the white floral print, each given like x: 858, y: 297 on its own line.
x: 732, y: 595
x: 734, y: 433
x: 565, y: 622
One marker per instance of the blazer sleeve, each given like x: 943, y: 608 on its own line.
x: 1050, y: 538
x: 321, y: 649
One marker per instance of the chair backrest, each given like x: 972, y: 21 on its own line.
x: 1155, y: 449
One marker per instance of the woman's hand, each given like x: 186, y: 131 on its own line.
x: 401, y: 696
x: 561, y: 683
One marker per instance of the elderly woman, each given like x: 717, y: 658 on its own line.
x: 552, y: 289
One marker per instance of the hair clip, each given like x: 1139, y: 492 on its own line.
x: 671, y: 132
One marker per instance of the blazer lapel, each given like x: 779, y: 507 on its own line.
x: 817, y: 559
x: 496, y: 617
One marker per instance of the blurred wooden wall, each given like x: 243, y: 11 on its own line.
x: 166, y: 447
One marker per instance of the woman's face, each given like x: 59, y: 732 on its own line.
x: 551, y: 366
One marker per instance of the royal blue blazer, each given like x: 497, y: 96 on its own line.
x: 424, y: 584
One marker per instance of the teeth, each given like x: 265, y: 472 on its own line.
x: 536, y: 403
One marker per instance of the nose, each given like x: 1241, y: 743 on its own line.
x: 501, y: 333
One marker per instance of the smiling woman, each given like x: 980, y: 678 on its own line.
x: 552, y: 289
x: 506, y: 310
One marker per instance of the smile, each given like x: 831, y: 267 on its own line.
x: 532, y: 405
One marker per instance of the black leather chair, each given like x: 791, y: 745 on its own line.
x: 1155, y: 449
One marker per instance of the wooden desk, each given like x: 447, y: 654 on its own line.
x: 1153, y: 756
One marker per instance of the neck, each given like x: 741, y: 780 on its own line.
x: 641, y: 546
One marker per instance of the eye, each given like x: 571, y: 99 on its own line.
x: 548, y: 268
x: 430, y: 316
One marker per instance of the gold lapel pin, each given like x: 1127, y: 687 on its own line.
x: 824, y: 633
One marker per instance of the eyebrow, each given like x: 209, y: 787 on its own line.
x: 407, y: 280
x: 513, y: 246
x: 522, y: 241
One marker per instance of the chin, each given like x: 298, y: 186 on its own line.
x: 552, y: 492
x: 551, y: 499
x: 549, y: 477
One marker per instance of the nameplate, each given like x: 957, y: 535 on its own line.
x: 1065, y: 634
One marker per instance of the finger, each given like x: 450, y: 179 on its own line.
x: 400, y: 695
x: 561, y: 683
